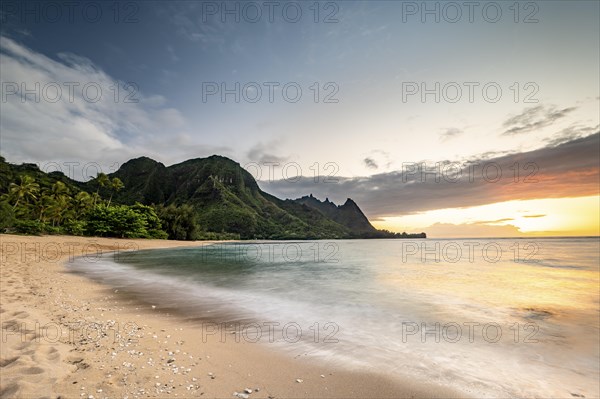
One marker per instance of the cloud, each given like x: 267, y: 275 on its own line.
x: 262, y: 154
x: 450, y: 133
x: 370, y: 163
x: 493, y: 221
x: 534, y: 216
x: 571, y: 133
x: 377, y: 159
x: 172, y: 54
x: 104, y: 123
x: 534, y: 118
x: 568, y: 170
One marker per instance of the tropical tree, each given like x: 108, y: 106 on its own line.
x: 116, y: 221
x: 59, y: 189
x: 116, y: 185
x: 42, y: 204
x: 26, y: 190
x: 59, y: 210
x: 7, y: 216
x: 82, y: 202
x: 179, y: 222
x: 101, y: 180
x: 95, y: 197
x: 60, y: 202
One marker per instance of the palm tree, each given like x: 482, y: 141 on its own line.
x: 60, y: 201
x: 59, y: 189
x: 59, y: 210
x: 82, y: 201
x: 27, y: 190
x: 43, y: 202
x: 116, y: 185
x: 102, y: 180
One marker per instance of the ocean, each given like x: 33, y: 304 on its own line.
x: 490, y: 317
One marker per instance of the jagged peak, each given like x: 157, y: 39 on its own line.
x: 349, y: 201
x: 313, y: 198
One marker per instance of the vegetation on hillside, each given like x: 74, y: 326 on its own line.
x: 208, y: 198
x: 32, y: 202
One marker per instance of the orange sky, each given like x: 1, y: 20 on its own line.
x: 579, y: 216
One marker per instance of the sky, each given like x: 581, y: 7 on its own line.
x: 456, y: 120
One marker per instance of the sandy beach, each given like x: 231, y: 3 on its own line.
x: 65, y: 336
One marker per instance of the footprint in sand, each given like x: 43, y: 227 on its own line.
x: 6, y: 362
x: 52, y: 354
x: 22, y: 345
x: 46, y: 353
x: 77, y: 361
x: 30, y: 335
x: 9, y: 391
x: 20, y: 314
x: 32, y: 370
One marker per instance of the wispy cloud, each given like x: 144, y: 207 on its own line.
x: 377, y: 160
x: 491, y: 222
x: 115, y: 123
x: 264, y: 154
x: 571, y: 133
x: 172, y: 55
x: 450, y: 133
x: 370, y: 163
x: 534, y: 118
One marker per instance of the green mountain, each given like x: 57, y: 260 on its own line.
x: 221, y: 196
x: 227, y: 199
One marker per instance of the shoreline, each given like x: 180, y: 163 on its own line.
x: 66, y: 336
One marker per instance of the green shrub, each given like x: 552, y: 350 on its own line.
x: 32, y: 227
x: 75, y: 227
x: 52, y: 230
x: 7, y: 216
x: 180, y: 223
x: 157, y: 234
x: 138, y: 221
x: 115, y: 221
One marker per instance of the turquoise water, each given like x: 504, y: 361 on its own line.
x: 493, y: 318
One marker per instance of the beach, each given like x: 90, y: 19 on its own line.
x: 66, y: 336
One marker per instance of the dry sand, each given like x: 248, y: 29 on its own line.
x: 65, y: 336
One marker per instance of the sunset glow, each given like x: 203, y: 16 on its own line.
x: 546, y: 217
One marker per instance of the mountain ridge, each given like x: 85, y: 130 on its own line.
x: 225, y: 199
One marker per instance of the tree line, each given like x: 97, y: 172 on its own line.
x: 28, y: 206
